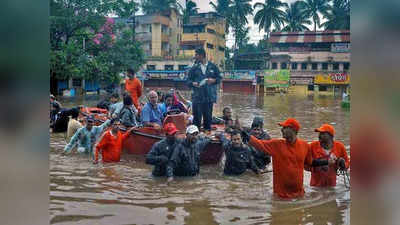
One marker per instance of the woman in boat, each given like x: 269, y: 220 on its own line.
x: 128, y: 113
x: 171, y: 104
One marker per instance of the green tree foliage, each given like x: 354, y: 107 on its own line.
x: 158, y: 6
x: 222, y: 8
x: 295, y: 17
x: 313, y: 9
x: 190, y: 10
x: 238, y: 11
x: 270, y: 13
x: 338, y: 16
x: 73, y: 53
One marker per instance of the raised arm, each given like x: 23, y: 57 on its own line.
x: 104, y: 125
x: 264, y: 145
x: 225, y: 142
x: 73, y: 141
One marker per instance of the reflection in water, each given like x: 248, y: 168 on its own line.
x: 126, y: 193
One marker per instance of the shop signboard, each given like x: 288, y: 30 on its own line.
x: 165, y: 75
x: 332, y: 78
x: 276, y: 78
x: 240, y: 75
x: 340, y: 47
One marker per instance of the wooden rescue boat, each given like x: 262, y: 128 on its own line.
x: 142, y: 139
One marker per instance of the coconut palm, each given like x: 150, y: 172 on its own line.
x: 270, y: 13
x: 315, y: 7
x: 222, y: 8
x: 338, y: 16
x: 295, y: 18
x: 238, y: 11
x: 190, y: 10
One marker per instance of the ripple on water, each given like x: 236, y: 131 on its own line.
x: 126, y: 193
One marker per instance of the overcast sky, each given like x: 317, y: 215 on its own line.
x: 255, y: 34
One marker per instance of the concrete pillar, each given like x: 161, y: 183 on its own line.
x: 341, y: 67
x: 69, y: 83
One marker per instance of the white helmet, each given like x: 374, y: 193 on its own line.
x: 192, y: 129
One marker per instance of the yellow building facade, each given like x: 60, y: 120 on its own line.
x: 205, y: 30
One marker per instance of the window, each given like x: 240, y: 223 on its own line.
x: 283, y: 66
x: 294, y: 66
x: 210, y: 46
x: 211, y: 31
x: 150, y: 28
x: 182, y: 67
x: 336, y: 66
x: 324, y: 66
x: 194, y: 29
x: 304, y: 66
x: 151, y: 67
x: 222, y: 49
x: 274, y: 66
x: 314, y: 66
x: 346, y: 66
x: 169, y: 67
x: 77, y: 82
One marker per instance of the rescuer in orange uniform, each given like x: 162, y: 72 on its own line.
x: 289, y: 155
x: 325, y: 148
x: 110, y: 144
x: 134, y: 88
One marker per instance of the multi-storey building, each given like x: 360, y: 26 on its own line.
x: 205, y: 30
x: 308, y: 54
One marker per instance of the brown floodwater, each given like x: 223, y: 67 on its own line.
x: 126, y: 193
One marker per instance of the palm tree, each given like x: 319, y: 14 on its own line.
x: 190, y: 10
x: 270, y: 13
x: 313, y: 7
x: 238, y: 11
x: 338, y: 16
x: 222, y: 8
x: 158, y: 6
x: 295, y: 18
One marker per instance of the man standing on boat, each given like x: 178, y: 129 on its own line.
x: 326, y: 148
x: 133, y: 87
x: 185, y: 160
x: 203, y: 79
x: 161, y: 151
x: 289, y: 155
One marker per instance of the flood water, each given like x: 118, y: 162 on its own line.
x: 125, y: 193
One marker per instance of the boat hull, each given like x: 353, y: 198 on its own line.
x: 141, y: 141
